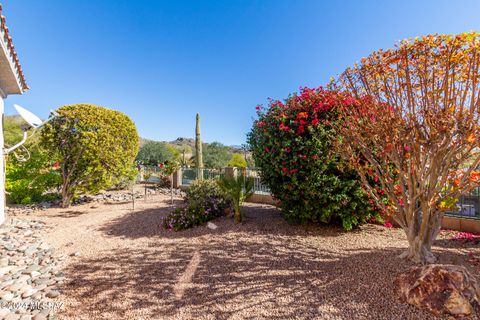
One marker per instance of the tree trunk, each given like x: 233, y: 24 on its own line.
x: 237, y: 214
x: 171, y: 188
x: 420, y: 247
x: 66, y: 197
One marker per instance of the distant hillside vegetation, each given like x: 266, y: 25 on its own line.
x: 12, y: 129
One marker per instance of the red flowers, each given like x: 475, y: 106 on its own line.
x: 388, y: 225
x: 456, y: 182
x: 300, y: 130
x: 474, y: 176
x: 284, y: 127
x: 287, y: 171
x: 284, y: 142
x: 56, y: 165
x: 397, y: 189
x: 388, y: 147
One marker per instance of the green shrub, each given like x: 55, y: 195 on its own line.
x: 125, y: 179
x: 204, y: 201
x: 238, y: 160
x: 292, y: 144
x: 95, y: 146
x: 154, y: 152
x: 238, y: 189
x: 202, y: 190
x: 215, y: 155
x: 31, y: 181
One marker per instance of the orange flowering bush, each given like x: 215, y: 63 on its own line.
x: 413, y: 124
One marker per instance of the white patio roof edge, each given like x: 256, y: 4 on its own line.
x: 12, y: 79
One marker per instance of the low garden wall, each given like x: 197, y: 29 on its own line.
x: 461, y: 224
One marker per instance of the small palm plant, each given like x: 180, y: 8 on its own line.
x: 238, y: 188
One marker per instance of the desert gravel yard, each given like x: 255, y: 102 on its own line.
x: 123, y: 265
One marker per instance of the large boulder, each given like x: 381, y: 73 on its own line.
x: 440, y: 289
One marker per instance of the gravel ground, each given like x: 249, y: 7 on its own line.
x: 28, y: 272
x: 127, y: 267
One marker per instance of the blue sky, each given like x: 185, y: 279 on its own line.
x: 160, y: 62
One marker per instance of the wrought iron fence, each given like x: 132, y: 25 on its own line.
x: 258, y: 186
x: 190, y: 174
x: 468, y: 205
x: 148, y: 174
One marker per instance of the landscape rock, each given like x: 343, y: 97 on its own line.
x: 211, y: 225
x: 28, y: 269
x: 440, y: 289
x: 53, y: 294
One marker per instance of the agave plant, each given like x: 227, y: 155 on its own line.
x: 238, y: 188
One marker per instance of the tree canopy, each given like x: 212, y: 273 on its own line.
x: 412, y: 125
x: 94, y: 145
x: 237, y: 160
x: 155, y: 152
x: 215, y: 155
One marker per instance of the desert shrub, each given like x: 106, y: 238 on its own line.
x: 164, y: 181
x: 238, y: 160
x: 199, y: 190
x: 292, y: 143
x: 32, y: 180
x: 204, y: 201
x: 94, y: 145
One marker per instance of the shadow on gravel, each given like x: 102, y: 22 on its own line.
x: 260, y: 269
x: 263, y: 268
x: 69, y: 214
x: 258, y: 219
x: 242, y: 278
x: 458, y: 243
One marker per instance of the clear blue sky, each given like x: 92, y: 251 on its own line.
x: 160, y: 62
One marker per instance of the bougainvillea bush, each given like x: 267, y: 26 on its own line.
x: 292, y: 144
x: 204, y: 201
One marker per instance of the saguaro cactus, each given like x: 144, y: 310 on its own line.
x: 198, y: 150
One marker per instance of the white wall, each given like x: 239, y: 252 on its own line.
x: 2, y: 165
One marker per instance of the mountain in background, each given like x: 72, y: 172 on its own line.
x: 190, y: 142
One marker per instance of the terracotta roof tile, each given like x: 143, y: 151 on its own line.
x: 13, y: 54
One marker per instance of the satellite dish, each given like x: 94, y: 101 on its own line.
x: 29, y: 117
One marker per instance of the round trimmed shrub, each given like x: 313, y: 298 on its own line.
x: 95, y: 146
x: 292, y: 143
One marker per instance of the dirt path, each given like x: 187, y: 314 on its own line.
x: 130, y: 268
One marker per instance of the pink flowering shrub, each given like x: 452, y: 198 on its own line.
x: 458, y: 235
x: 292, y: 142
x: 204, y: 201
x: 388, y: 225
